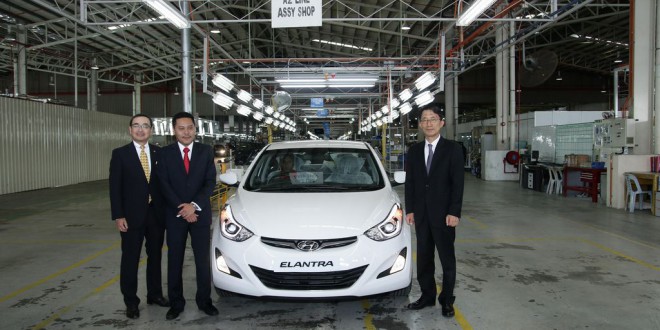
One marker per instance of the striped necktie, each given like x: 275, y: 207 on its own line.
x: 145, y: 163
x: 429, y: 159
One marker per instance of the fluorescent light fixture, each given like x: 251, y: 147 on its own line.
x: 341, y: 44
x: 276, y: 115
x: 258, y: 115
x: 269, y: 110
x: 379, y: 114
x: 379, y: 123
x: 329, y: 86
x: 215, y: 31
x: 303, y: 86
x: 424, y: 99
x: 269, y: 120
x: 384, y: 109
x: 281, y: 124
x: 243, y: 110
x: 244, y: 96
x: 425, y: 80
x: 258, y: 103
x: 301, y: 80
x: 618, y: 60
x: 405, y: 95
x: 223, y: 100
x: 559, y: 76
x: 222, y: 82
x: 405, y: 108
x: 405, y: 27
x: 476, y: 9
x: 174, y: 16
x: 394, y: 103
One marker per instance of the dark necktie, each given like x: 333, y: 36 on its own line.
x: 186, y: 160
x: 429, y: 159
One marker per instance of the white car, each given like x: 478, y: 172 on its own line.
x: 331, y: 227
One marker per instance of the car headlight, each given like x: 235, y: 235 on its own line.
x: 230, y: 228
x: 388, y: 228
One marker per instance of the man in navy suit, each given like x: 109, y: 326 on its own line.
x: 187, y: 176
x: 434, y: 198
x: 136, y: 207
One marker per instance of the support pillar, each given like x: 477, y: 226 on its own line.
x: 643, y: 62
x: 20, y: 70
x: 186, y: 78
x: 137, y: 94
x: 502, y: 89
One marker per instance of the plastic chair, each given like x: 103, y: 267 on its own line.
x: 551, y: 182
x: 559, y: 179
x: 634, y: 189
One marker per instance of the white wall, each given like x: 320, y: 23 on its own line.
x: 47, y: 145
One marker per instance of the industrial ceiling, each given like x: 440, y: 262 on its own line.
x: 394, y: 40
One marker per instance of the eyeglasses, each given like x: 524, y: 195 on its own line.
x: 142, y: 126
x: 429, y: 120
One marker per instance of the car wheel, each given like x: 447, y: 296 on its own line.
x: 403, y: 292
x: 225, y: 293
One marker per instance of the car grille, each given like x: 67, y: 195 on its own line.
x: 308, y: 281
x: 323, y: 243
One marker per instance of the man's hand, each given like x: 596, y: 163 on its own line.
x: 451, y: 220
x: 122, y: 225
x: 191, y: 218
x: 185, y: 210
x: 410, y: 218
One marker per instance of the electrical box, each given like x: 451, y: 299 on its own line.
x: 614, y: 133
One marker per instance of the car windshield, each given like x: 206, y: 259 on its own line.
x: 315, y: 170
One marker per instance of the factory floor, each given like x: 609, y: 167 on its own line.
x: 526, y: 260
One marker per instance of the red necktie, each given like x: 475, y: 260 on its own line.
x: 186, y: 160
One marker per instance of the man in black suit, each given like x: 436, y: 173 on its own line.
x: 434, y: 198
x: 136, y: 207
x: 187, y: 176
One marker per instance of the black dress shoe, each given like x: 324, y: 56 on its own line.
x: 421, y: 303
x: 173, y: 313
x: 132, y: 312
x: 448, y: 310
x: 209, y: 309
x: 160, y: 301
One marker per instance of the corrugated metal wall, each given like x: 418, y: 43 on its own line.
x: 47, y: 145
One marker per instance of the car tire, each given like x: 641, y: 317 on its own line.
x: 402, y: 292
x: 225, y: 293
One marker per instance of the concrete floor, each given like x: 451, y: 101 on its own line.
x: 526, y: 260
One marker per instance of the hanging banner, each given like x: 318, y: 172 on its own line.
x: 295, y: 13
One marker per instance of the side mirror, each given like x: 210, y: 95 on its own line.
x: 229, y: 178
x: 400, y: 177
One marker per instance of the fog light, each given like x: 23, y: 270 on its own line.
x: 397, y: 266
x: 222, y: 265
x: 399, y: 263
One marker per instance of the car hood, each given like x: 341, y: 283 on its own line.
x: 311, y: 215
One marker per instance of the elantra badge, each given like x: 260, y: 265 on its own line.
x: 308, y: 246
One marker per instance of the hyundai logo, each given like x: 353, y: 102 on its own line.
x: 308, y: 246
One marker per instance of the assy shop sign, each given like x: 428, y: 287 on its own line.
x: 295, y: 13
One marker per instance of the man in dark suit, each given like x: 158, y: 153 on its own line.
x: 434, y: 198
x: 136, y: 207
x: 187, y: 176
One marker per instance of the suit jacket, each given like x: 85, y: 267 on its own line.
x: 196, y: 186
x: 129, y: 189
x: 441, y: 191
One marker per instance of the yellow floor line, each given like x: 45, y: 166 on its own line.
x: 620, y: 254
x: 56, y: 315
x: 622, y: 237
x: 58, y: 273
x: 460, y: 318
x: 368, y: 318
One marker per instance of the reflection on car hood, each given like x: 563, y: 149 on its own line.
x: 312, y: 215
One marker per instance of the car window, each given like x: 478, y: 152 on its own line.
x: 315, y: 170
